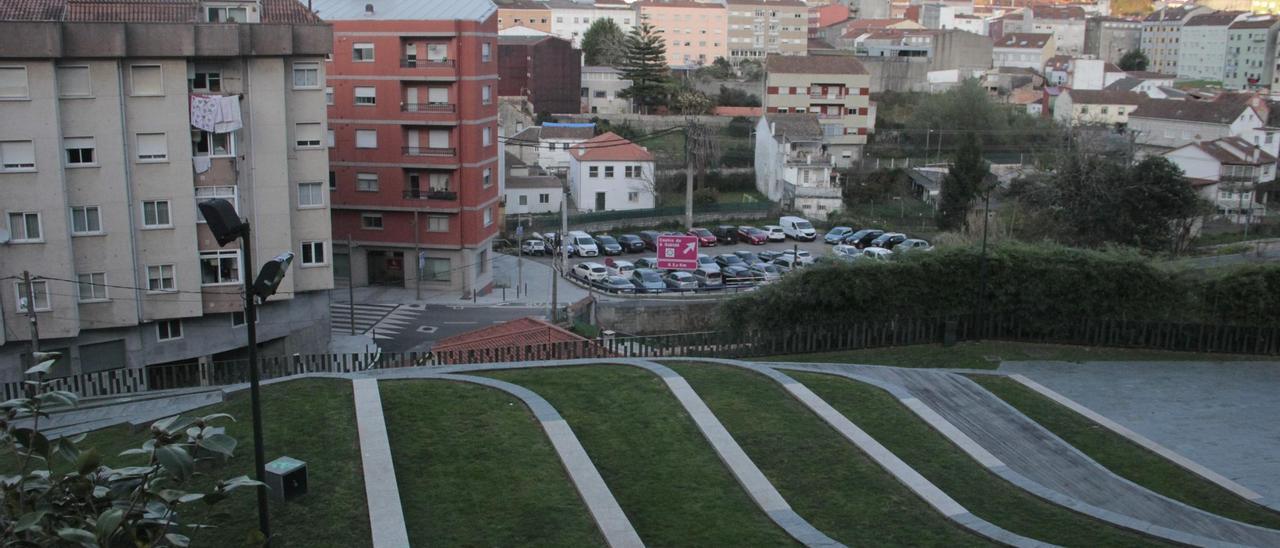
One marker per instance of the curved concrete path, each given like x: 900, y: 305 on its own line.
x: 1039, y: 456
x: 748, y: 475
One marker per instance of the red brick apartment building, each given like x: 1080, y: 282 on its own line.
x: 413, y: 141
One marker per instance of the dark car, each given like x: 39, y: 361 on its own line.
x: 650, y: 238
x: 729, y: 259
x: 888, y: 240
x: 616, y: 284
x: 753, y: 235
x: 748, y: 257
x: 705, y: 237
x: 737, y: 274
x: 768, y: 255
x: 631, y: 243
x: 608, y: 245
x: 862, y: 238
x: 726, y: 234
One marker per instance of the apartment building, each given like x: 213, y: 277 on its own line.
x: 761, y: 27
x: 1109, y: 38
x: 1202, y: 46
x: 414, y: 149
x: 695, y: 33
x: 1231, y: 171
x: 529, y: 14
x: 601, y: 87
x: 1106, y: 107
x: 116, y: 122
x: 792, y: 164
x: 1162, y: 34
x: 1023, y: 50
x: 836, y: 88
x: 608, y: 173
x: 826, y: 15
x: 1251, y: 53
x: 570, y: 19
x: 546, y: 69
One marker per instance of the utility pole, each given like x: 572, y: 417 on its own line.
x: 251, y: 322
x: 688, y: 178
x: 417, y: 256
x: 31, y: 315
x: 351, y: 282
x: 564, y: 242
x: 982, y: 268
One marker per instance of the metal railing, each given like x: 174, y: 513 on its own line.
x: 429, y: 151
x: 419, y: 194
x: 430, y: 108
x: 426, y: 63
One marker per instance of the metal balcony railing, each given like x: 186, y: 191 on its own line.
x: 419, y: 194
x: 428, y: 107
x: 429, y: 151
x: 426, y: 63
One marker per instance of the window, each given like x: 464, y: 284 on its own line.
x: 227, y: 14
x: 436, y: 270
x: 306, y: 76
x: 155, y: 214
x: 485, y: 52
x: 25, y: 227
x: 310, y: 195
x: 237, y: 318
x: 13, y: 83
x: 362, y: 52
x: 486, y: 138
x: 160, y: 278
x: 633, y: 196
x: 366, y: 138
x: 488, y: 216
x: 74, y: 82
x: 152, y: 147
x: 330, y: 139
x: 328, y: 96
x: 367, y: 182
x: 593, y: 171
x: 39, y: 295
x: 437, y: 223
x: 524, y: 199
x: 205, y: 193
x: 488, y: 177
x: 146, y: 80
x: 79, y: 151
x: 219, y: 267
x: 608, y: 172
x: 631, y: 171
x: 17, y: 156
x: 438, y: 182
x: 313, y: 253
x: 307, y: 135
x: 600, y: 94
x: 371, y: 221
x: 544, y: 198
x: 366, y: 96
x: 209, y: 81
x: 168, y: 330
x: 486, y: 95
x: 214, y: 145
x: 437, y: 52
x: 85, y: 221
x: 92, y: 287
x: 333, y: 180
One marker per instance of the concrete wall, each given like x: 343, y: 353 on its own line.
x: 651, y: 316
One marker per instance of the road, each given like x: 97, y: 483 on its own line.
x: 416, y: 327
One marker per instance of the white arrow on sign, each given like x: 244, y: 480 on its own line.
x: 691, y: 247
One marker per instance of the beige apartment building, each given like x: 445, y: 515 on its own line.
x: 695, y: 33
x: 102, y: 163
x: 761, y: 27
x: 837, y: 88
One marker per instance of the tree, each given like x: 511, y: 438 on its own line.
x: 1133, y: 60
x: 878, y: 186
x: 646, y: 67
x: 604, y: 44
x: 689, y: 101
x: 963, y: 183
x: 734, y: 97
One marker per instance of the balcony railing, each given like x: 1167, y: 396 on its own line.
x: 426, y: 63
x: 429, y: 151
x: 825, y: 116
x: 809, y: 159
x: 832, y: 96
x: 428, y: 107
x: 419, y: 194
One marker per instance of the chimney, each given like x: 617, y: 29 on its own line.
x: 368, y: 10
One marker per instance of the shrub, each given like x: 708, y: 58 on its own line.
x: 705, y: 196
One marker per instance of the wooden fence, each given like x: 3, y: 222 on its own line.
x: 1155, y: 335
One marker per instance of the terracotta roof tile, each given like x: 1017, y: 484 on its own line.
x: 609, y: 147
x: 140, y: 11
x: 1215, y: 19
x: 31, y: 10
x: 1211, y: 112
x: 521, y: 335
x: 1105, y: 97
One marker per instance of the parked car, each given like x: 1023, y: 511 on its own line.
x: 752, y: 235
x: 786, y: 263
x: 648, y: 280
x: 876, y: 254
x: 803, y: 256
x: 553, y: 243
x: 845, y: 250
x: 631, y: 243
x: 766, y: 273
x: 863, y: 238
x: 650, y: 238
x: 888, y: 240
x: 748, y: 257
x: 583, y: 244
x: 768, y: 255
x: 680, y: 279
x: 616, y: 284
x: 797, y: 228
x: 729, y: 259
x: 836, y: 235
x: 650, y: 263
x: 608, y: 245
x: 705, y: 237
x: 533, y: 246
x: 726, y: 234
x: 913, y: 245
x: 589, y: 271
x: 619, y: 267
x: 707, y: 261
x: 775, y: 232
x: 737, y: 274
x: 708, y: 277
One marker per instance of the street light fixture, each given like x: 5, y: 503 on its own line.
x: 226, y: 226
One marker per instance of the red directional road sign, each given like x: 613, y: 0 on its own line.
x: 677, y: 252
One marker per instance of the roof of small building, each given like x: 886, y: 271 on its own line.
x: 1149, y: 75
x: 804, y: 64
x: 394, y: 10
x: 1030, y: 40
x: 141, y: 11
x: 1170, y: 14
x: 519, y: 332
x: 1235, y: 151
x: 786, y: 3
x: 600, y: 69
x: 749, y: 112
x: 574, y: 131
x: 677, y: 4
x: 524, y: 39
x: 531, y: 134
x: 1255, y: 23
x: 609, y: 147
x: 534, y: 181
x: 1057, y: 12
x: 1105, y: 97
x: 795, y: 127
x: 1215, y: 19
x: 1209, y: 112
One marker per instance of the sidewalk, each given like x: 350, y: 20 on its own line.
x: 536, y: 277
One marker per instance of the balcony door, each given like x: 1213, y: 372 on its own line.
x: 411, y: 141
x: 411, y: 99
x: 438, y: 138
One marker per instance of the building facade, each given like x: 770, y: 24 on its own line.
x: 1066, y: 24
x: 600, y: 89
x: 1236, y: 169
x: 414, y: 151
x: 546, y: 69
x: 529, y: 14
x: 1109, y: 38
x: 1251, y: 53
x: 1162, y: 34
x: 1083, y: 107
x: 1023, y: 50
x: 116, y: 124
x: 695, y: 33
x: 836, y: 88
x: 570, y: 20
x: 761, y: 27
x: 1202, y: 46
x: 608, y: 173
x: 792, y: 164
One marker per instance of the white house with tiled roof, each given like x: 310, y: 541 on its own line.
x: 1023, y: 50
x: 610, y: 173
x: 1229, y: 170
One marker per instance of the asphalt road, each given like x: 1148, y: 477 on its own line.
x: 434, y: 322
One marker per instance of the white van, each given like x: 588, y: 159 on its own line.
x: 797, y: 228
x: 583, y: 244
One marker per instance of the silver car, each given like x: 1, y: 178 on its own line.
x: 680, y: 280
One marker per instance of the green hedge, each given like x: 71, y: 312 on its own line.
x: 1042, y: 288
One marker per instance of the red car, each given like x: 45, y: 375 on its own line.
x: 705, y: 237
x: 752, y: 235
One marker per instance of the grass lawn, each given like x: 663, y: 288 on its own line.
x: 665, y: 475
x: 1125, y: 458
x: 825, y: 478
x: 312, y: 420
x: 989, y: 354
x: 475, y: 469
x: 727, y: 197
x: 936, y: 458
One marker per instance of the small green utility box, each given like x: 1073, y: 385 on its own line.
x: 287, y: 478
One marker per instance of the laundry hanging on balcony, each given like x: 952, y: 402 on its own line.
x: 216, y: 113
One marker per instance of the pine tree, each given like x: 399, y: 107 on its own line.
x: 962, y: 184
x: 646, y: 67
x: 1133, y: 60
x: 604, y: 44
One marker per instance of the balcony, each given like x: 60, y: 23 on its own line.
x: 825, y: 116
x: 426, y: 63
x: 419, y: 194
x: 808, y: 159
x: 430, y: 151
x: 831, y: 96
x: 430, y: 108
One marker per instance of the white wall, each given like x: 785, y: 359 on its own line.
x: 767, y: 159
x: 533, y: 200
x: 621, y: 192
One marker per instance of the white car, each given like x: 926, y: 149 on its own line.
x: 775, y: 232
x: 846, y: 251
x: 877, y: 254
x: 913, y: 245
x: 533, y: 247
x: 591, y: 272
x: 618, y: 267
x: 804, y: 257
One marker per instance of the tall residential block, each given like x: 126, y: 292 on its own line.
x: 1162, y: 36
x: 413, y: 108
x: 837, y: 88
x: 695, y: 33
x: 761, y: 27
x: 116, y: 123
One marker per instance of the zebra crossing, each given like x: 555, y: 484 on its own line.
x: 385, y: 320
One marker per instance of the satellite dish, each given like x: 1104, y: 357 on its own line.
x: 4, y: 236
